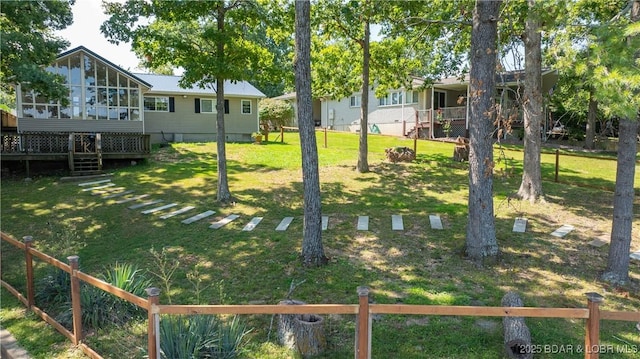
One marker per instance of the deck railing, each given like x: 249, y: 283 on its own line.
x: 58, y: 143
x: 363, y: 310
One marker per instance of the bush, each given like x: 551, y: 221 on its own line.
x: 53, y: 292
x: 275, y: 113
x: 201, y: 336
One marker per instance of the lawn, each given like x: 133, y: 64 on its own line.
x: 415, y: 266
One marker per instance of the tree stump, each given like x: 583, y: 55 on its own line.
x: 400, y: 154
x: 461, y: 150
x: 305, y: 333
x: 517, y: 338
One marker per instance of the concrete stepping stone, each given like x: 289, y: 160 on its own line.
x: 198, y: 217
x: 130, y: 199
x: 98, y: 187
x: 177, y: 212
x: 252, y: 224
x: 520, y: 225
x: 144, y: 204
x: 598, y: 242
x: 635, y: 255
x: 224, y: 221
x: 435, y: 221
x: 563, y: 231
x: 108, y: 190
x: 396, y: 223
x: 325, y: 222
x: 284, y: 224
x: 93, y: 183
x: 157, y: 209
x: 363, y: 223
x: 119, y: 194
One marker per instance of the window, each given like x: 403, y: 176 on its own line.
x: 439, y: 99
x: 355, y: 101
x: 392, y: 98
x: 208, y: 106
x: 157, y: 104
x: 245, y: 107
x: 412, y: 97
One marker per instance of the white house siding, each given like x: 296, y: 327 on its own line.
x: 186, y: 125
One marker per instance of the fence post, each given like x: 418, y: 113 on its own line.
x: 28, y: 240
x: 592, y: 337
x: 153, y: 343
x: 76, y: 306
x: 415, y: 136
x: 281, y: 134
x: 557, y: 163
x: 325, y: 137
x: 363, y: 328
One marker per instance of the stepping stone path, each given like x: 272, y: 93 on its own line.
x: 119, y: 194
x: 435, y: 221
x: 363, y: 223
x: 563, y: 231
x: 93, y: 183
x: 144, y: 204
x: 598, y: 242
x: 252, y: 224
x: 177, y: 212
x: 284, y: 224
x: 636, y: 256
x: 396, y: 223
x: 198, y: 217
x: 130, y: 199
x: 157, y: 209
x: 224, y: 221
x: 107, y: 191
x: 325, y: 222
x: 520, y: 225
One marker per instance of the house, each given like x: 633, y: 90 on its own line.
x: 113, y: 113
x: 435, y: 110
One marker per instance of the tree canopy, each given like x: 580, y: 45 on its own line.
x: 28, y: 45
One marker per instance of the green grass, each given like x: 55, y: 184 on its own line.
x: 415, y: 266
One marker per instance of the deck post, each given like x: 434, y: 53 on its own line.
x: 76, y: 306
x: 153, y: 342
x: 28, y: 241
x: 363, y: 327
x: 592, y: 336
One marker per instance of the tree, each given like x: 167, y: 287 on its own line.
x: 481, y: 234
x: 28, y: 45
x: 618, y: 90
x: 208, y: 39
x: 531, y: 185
x: 312, y: 249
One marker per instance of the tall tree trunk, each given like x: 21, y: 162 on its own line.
x: 589, y: 141
x: 363, y: 163
x: 618, y: 262
x: 312, y: 250
x: 531, y: 185
x: 224, y: 195
x: 481, y: 234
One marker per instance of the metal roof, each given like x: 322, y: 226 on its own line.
x: 166, y: 84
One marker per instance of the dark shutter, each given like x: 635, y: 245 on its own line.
x: 197, y: 105
x: 226, y: 106
x: 172, y: 104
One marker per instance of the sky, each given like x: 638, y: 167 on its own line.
x: 85, y: 31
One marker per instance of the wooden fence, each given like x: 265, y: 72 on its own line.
x: 363, y: 310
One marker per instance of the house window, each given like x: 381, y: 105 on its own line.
x: 96, y: 92
x: 246, y: 107
x: 208, y: 106
x: 412, y: 97
x: 392, y: 98
x: 439, y: 99
x: 355, y: 101
x: 156, y: 104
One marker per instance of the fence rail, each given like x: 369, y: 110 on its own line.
x: 363, y: 310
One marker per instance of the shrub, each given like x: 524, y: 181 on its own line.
x: 53, y: 292
x: 201, y: 336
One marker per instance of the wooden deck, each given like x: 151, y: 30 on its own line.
x: 47, y: 146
